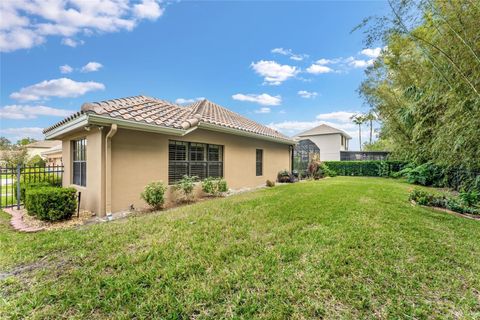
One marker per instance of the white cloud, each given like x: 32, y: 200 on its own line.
x: 72, y: 43
x: 262, y: 99
x: 318, y: 69
x: 65, y: 69
x: 28, y: 23
x: 19, y: 133
x: 21, y: 112
x: 148, y: 9
x: 273, y: 72
x: 184, y: 101
x: 62, y: 87
x: 307, y: 94
x: 263, y: 110
x: 289, y: 53
x: 91, y: 67
x: 359, y: 63
x: 371, y: 52
x: 340, y: 116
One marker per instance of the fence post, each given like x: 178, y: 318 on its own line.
x: 18, y: 185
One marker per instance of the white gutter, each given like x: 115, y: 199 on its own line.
x: 108, y: 169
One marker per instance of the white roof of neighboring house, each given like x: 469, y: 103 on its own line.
x: 56, y: 149
x: 45, y: 144
x: 322, y: 129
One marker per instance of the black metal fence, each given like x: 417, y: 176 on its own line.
x: 12, y: 179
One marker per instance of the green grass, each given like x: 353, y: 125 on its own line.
x: 9, y: 199
x: 336, y: 248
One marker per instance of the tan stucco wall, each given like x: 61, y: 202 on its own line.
x: 92, y: 195
x: 140, y: 157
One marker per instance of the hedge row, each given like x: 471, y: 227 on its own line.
x: 51, y: 203
x: 373, y: 168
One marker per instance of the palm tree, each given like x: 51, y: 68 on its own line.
x: 358, y: 119
x: 370, y: 117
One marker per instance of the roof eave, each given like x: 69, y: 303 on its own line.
x: 238, y: 132
x: 94, y: 119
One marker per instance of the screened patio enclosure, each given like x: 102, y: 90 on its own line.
x: 303, y: 152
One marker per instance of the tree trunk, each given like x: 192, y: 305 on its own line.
x: 371, y: 130
x: 360, y: 135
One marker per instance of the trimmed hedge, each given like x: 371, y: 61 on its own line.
x: 33, y: 185
x: 373, y: 168
x: 51, y: 203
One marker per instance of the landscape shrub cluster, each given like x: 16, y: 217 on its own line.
x: 214, y: 186
x: 154, y: 192
x: 429, y: 174
x: 465, y: 202
x: 51, y: 203
x: 372, y: 168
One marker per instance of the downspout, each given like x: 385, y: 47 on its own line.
x: 108, y: 169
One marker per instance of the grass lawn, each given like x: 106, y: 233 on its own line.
x: 337, y: 248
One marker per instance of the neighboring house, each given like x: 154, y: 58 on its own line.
x: 112, y: 149
x: 328, y: 139
x: 53, y: 156
x: 38, y: 147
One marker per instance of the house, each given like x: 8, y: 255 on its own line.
x: 53, y: 156
x: 38, y: 147
x: 112, y: 149
x: 329, y: 141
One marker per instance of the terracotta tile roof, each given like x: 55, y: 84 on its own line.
x: 163, y: 113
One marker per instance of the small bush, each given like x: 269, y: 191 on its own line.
x: 270, y: 184
x: 326, y: 171
x: 154, y: 194
x: 186, y: 185
x: 51, y: 203
x: 214, y: 186
x: 469, y: 198
x: 285, y: 177
x: 453, y: 203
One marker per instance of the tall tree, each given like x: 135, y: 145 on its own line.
x: 370, y: 117
x: 358, y: 119
x: 4, y: 143
x: 426, y: 85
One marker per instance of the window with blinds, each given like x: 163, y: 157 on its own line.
x: 194, y: 159
x: 259, y: 162
x: 79, y: 162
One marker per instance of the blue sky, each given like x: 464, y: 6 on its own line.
x: 289, y: 65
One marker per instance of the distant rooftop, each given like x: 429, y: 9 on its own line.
x: 322, y: 129
x: 47, y: 144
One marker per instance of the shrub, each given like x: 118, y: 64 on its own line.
x: 270, y: 184
x: 285, y: 177
x: 154, y: 194
x: 469, y: 198
x: 327, y: 172
x: 453, y: 203
x: 186, y: 185
x: 32, y: 185
x: 51, y: 203
x: 214, y: 186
